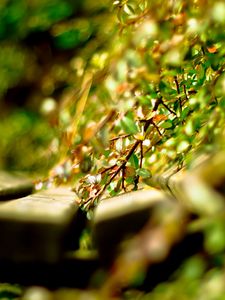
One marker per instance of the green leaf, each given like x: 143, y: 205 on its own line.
x: 134, y: 161
x: 166, y: 124
x: 129, y: 126
x: 222, y: 103
x: 144, y: 173
x: 58, y: 11
x: 189, y: 128
x: 129, y: 9
x: 193, y: 268
x: 129, y: 180
x: 215, y: 237
x: 68, y: 39
x: 9, y: 291
x: 185, y: 113
x: 183, y: 146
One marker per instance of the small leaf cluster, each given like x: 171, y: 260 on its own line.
x: 157, y: 96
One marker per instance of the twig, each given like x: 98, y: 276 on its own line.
x: 102, y: 190
x: 185, y: 92
x: 156, y: 127
x: 167, y: 107
x: 142, y: 155
x: 178, y: 92
x: 160, y: 101
x: 203, y: 50
x: 123, y: 179
x: 136, y: 181
x: 101, y: 125
x: 123, y: 165
x: 134, y: 147
x: 108, y: 168
x: 119, y: 137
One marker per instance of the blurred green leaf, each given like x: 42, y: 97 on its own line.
x: 13, y: 61
x: 68, y: 39
x: 128, y: 125
x: 193, y: 268
x: 215, y: 237
x: 134, y: 161
x: 144, y: 173
x: 167, y: 124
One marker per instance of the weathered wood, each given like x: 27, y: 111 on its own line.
x: 13, y: 185
x: 120, y: 217
x: 161, y: 180
x: 39, y: 227
x: 200, y: 188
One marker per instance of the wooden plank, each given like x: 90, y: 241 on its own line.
x: 40, y: 227
x: 175, y: 183
x: 161, y: 180
x: 200, y: 188
x: 120, y: 217
x: 13, y: 185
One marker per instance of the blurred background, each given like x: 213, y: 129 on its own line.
x: 44, y: 49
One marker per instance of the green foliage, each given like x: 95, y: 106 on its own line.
x: 19, y: 18
x: 128, y: 125
x: 13, y: 61
x: 163, y: 84
x: 8, y: 291
x: 214, y: 237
